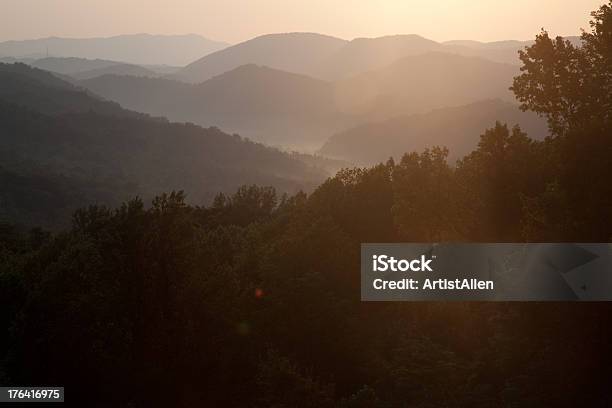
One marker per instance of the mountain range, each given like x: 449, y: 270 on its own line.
x: 137, y: 49
x: 419, y: 83
x: 57, y: 138
x: 81, y: 68
x: 330, y: 58
x: 264, y: 104
x: 300, y: 112
x: 44, y: 92
x: 95, y: 122
x: 457, y: 128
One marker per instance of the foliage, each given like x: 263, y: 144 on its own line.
x: 254, y: 300
x: 572, y: 87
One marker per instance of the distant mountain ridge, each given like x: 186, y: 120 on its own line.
x: 499, y: 51
x: 457, y: 128
x: 44, y: 92
x: 264, y: 104
x: 366, y: 54
x: 331, y: 58
x: 300, y: 53
x: 300, y: 112
x: 70, y: 65
x: 81, y: 68
x: 420, y: 83
x: 57, y: 138
x: 503, y: 43
x: 134, y: 48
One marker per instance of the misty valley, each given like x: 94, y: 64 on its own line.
x: 181, y: 218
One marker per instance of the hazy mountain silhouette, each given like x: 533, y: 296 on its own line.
x: 331, y: 58
x: 511, y: 44
x: 365, y: 54
x: 49, y: 127
x: 163, y: 69
x: 310, y: 54
x: 515, y: 44
x: 117, y: 69
x: 262, y: 103
x: 457, y: 128
x: 294, y: 52
x: 12, y: 60
x: 70, y: 65
x: 135, y: 49
x: 80, y: 68
x: 300, y: 112
x: 420, y: 83
x: 498, y: 51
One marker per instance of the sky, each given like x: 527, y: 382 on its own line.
x: 238, y: 20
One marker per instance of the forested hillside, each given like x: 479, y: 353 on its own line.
x: 44, y: 92
x: 252, y: 299
x: 50, y: 128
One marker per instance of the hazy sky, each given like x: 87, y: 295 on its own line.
x: 238, y: 20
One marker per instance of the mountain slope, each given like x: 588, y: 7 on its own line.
x: 117, y: 69
x: 35, y: 197
x: 153, y: 155
x: 457, y: 128
x: 70, y: 65
x: 314, y: 55
x: 332, y: 59
x: 81, y: 68
x: 420, y: 83
x: 498, y: 51
x: 261, y: 103
x: 366, y: 54
x: 300, y: 112
x: 128, y: 153
x: 134, y: 49
x: 294, y: 52
x: 46, y: 93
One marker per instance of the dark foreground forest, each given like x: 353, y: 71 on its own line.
x: 255, y: 301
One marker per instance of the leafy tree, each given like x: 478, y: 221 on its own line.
x: 494, y: 180
x: 572, y: 87
x: 423, y: 189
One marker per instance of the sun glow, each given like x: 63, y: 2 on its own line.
x: 239, y: 20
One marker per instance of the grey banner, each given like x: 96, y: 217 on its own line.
x: 486, y: 272
x: 31, y: 394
